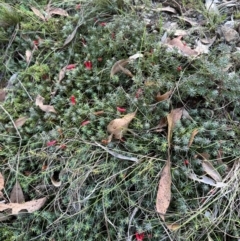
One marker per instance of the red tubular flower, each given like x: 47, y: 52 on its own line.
x: 120, y: 109
x: 51, y: 143
x: 85, y: 123
x: 71, y: 66
x: 186, y: 162
x: 138, y: 93
x: 103, y: 24
x: 36, y: 42
x: 139, y: 236
x: 63, y: 146
x: 88, y: 65
x: 73, y: 100
x: 179, y: 68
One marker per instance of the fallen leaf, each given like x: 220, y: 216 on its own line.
x: 206, y: 180
x: 118, y: 127
x: 20, y: 121
x: 118, y: 66
x: 2, y: 95
x: 117, y: 155
x: 189, y: 20
x: 203, y: 48
x: 46, y: 108
x: 194, y: 133
x: 135, y: 56
x: 1, y: 181
x: 30, y: 206
x: 55, y: 179
x: 28, y: 55
x: 164, y: 190
x: 57, y: 11
x: 211, y: 171
x: 38, y: 13
x: 100, y: 112
x: 185, y: 114
x: 176, y: 42
x: 16, y: 195
x: 71, y: 36
x: 165, y: 9
x: 62, y: 73
x: 165, y: 96
x: 174, y: 116
x: 173, y: 226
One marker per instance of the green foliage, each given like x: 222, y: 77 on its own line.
x: 98, y: 190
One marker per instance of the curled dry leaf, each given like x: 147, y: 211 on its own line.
x: 164, y: 190
x: 165, y: 96
x: 46, y: 108
x: 20, y: 121
x: 30, y: 206
x: 38, y: 13
x: 119, y: 66
x: 211, y: 171
x: 177, y: 43
x: 2, y: 95
x: 118, y: 127
x: 194, y: 133
x: 16, y: 195
x: 55, y: 179
x: 165, y: 9
x: 1, y: 181
x: 172, y: 118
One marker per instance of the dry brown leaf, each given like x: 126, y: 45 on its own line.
x: 38, y: 13
x: 118, y: 127
x: 165, y: 96
x: 57, y: 11
x: 62, y: 73
x: 176, y: 42
x: 118, y: 66
x: 46, y: 108
x: 164, y: 190
x: 2, y: 95
x: 185, y: 114
x: 211, y: 171
x: 173, y: 226
x: 16, y: 195
x: 30, y: 206
x: 100, y: 112
x: 172, y: 118
x: 1, y: 181
x: 71, y: 36
x: 194, y: 133
x: 28, y: 55
x: 20, y: 121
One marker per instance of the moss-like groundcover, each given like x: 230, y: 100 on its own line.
x: 60, y: 149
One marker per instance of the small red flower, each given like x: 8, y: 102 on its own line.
x: 186, y: 162
x: 120, y: 109
x: 73, y: 100
x: 71, y: 66
x: 99, y: 59
x: 36, y: 42
x: 51, y: 143
x: 138, y: 93
x: 88, y: 65
x: 103, y: 24
x: 63, y: 146
x: 78, y: 6
x: 85, y: 123
x: 179, y: 68
x: 139, y: 236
